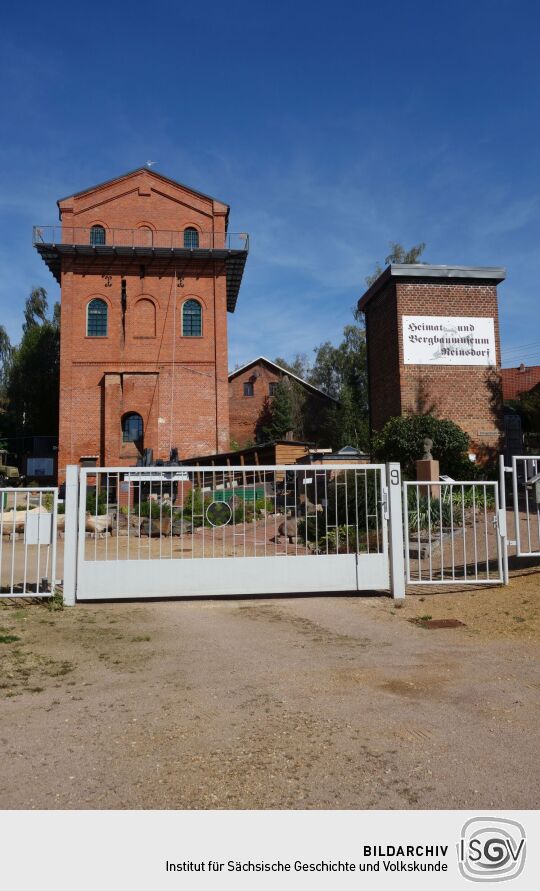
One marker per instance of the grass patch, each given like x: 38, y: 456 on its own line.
x: 141, y: 638
x: 8, y: 638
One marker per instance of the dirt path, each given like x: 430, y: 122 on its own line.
x: 326, y: 702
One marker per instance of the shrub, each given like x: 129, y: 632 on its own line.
x: 401, y: 439
x: 153, y: 509
x: 91, y: 503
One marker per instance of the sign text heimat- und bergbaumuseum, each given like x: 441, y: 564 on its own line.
x: 448, y: 340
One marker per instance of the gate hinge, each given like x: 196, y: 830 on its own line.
x: 511, y: 542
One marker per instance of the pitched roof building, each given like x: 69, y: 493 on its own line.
x: 251, y: 389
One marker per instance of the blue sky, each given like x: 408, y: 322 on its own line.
x: 330, y: 129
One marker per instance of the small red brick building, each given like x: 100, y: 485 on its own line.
x: 519, y: 380
x: 252, y: 386
x: 148, y: 271
x: 433, y: 345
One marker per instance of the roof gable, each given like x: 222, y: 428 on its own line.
x: 285, y: 371
x: 132, y: 174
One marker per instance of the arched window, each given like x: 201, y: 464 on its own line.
x: 191, y: 238
x: 132, y: 429
x: 96, y: 323
x: 144, y: 321
x: 192, y: 319
x: 97, y: 235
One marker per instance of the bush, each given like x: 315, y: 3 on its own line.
x: 402, y: 439
x: 153, y: 509
x: 91, y: 503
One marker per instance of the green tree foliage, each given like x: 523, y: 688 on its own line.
x: 341, y: 371
x: 398, y: 254
x: 35, y: 309
x: 402, y: 438
x: 528, y: 407
x: 6, y: 353
x: 276, y: 419
x: 32, y: 388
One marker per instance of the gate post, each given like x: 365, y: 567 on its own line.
x: 71, y: 534
x: 502, y: 528
x: 395, y: 538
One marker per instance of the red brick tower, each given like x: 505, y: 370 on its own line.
x: 148, y: 271
x: 433, y: 343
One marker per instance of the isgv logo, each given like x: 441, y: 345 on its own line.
x: 491, y: 849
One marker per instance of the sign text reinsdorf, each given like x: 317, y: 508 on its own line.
x: 448, y: 340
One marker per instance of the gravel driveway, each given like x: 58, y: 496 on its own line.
x: 323, y: 702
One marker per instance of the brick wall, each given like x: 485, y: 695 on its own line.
x: 468, y: 395
x: 245, y: 411
x: 179, y: 385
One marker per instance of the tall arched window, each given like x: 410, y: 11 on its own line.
x: 132, y: 429
x: 191, y: 238
x: 97, y: 235
x: 192, y: 319
x: 96, y: 322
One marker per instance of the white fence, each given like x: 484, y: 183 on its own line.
x: 28, y: 541
x: 452, y: 533
x: 155, y: 532
x: 204, y: 531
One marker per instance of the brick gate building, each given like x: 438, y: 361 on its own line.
x: 148, y: 271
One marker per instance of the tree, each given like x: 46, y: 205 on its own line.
x: 32, y: 388
x: 35, y: 309
x: 299, y: 365
x: 402, y: 439
x: 6, y: 353
x: 341, y: 371
x: 398, y: 254
x: 276, y: 418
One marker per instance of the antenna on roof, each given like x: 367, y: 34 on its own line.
x: 150, y: 163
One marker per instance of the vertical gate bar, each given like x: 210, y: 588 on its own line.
x: 295, y: 478
x: 526, y: 477
x: 25, y: 545
x: 463, y: 526
x: 503, y: 532
x: 54, y: 524
x: 13, y: 534
x: 441, y: 503
x: 405, y: 498
x: 255, y: 512
x: 107, y: 489
x: 395, y: 512
x: 420, y: 558
x: 38, y: 548
x: 475, y: 548
x: 380, y: 522
x: 357, y: 549
x: 485, y: 530
x: 500, y: 539
x: 430, y: 559
x: 516, y: 505
x: 73, y: 536
x: 366, y: 505
x: 452, y: 546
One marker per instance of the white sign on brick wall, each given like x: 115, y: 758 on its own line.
x: 448, y: 340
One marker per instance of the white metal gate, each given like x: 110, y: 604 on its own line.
x: 28, y: 540
x: 525, y: 471
x: 453, y: 533
x: 194, y: 531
